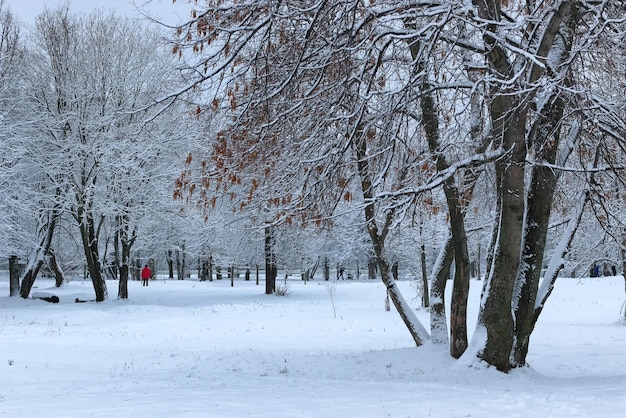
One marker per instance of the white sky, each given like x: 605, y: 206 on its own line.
x: 27, y: 10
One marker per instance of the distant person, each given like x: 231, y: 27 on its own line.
x: 146, y: 274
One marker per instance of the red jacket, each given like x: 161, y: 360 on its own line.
x: 146, y: 273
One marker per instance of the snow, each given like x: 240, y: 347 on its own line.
x: 206, y: 349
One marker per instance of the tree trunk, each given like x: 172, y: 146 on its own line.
x: 460, y: 285
x: 417, y: 331
x: 440, y: 274
x: 204, y: 268
x: 124, y: 268
x: 170, y: 264
x: 47, y: 225
x: 181, y: 263
x: 270, y: 262
x: 495, y: 315
x: 89, y: 237
x: 14, y: 276
x: 59, y: 277
x: 122, y: 291
x: 326, y: 269
x: 425, y: 289
x: 539, y: 205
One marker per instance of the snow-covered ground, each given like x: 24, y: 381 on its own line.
x: 204, y: 349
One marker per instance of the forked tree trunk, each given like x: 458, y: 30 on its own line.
x: 543, y: 182
x: 89, y: 236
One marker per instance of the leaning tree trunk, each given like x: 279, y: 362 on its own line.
x: 418, y: 332
x: 416, y: 329
x: 47, y: 225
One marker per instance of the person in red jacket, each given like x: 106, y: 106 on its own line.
x: 146, y: 274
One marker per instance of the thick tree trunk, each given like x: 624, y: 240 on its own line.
x: 539, y: 205
x: 89, y: 237
x: 122, y: 291
x: 546, y: 138
x: 496, y: 315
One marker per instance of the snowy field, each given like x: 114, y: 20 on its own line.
x: 204, y: 349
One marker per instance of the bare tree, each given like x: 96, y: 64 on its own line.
x: 376, y: 104
x: 96, y: 141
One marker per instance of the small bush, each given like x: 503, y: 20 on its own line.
x: 282, y: 290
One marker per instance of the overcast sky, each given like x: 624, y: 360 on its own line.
x: 26, y: 10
